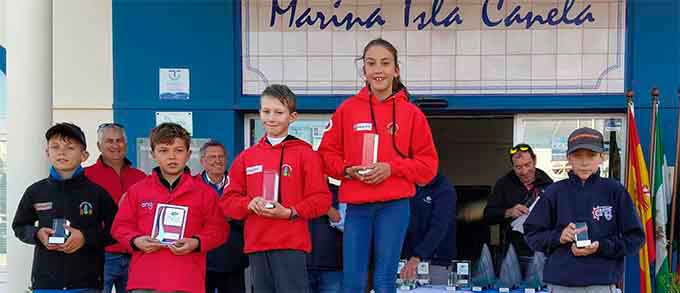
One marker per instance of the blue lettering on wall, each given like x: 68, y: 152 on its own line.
x: 423, y: 21
x: 349, y: 20
x: 529, y: 18
x: 309, y: 18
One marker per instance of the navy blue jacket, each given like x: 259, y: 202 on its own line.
x: 431, y: 233
x: 326, y: 252
x: 228, y: 257
x: 612, y: 220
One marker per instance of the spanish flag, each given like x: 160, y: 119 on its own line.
x: 638, y: 188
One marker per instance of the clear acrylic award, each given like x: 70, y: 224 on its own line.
x: 582, y: 239
x: 423, y: 273
x: 369, y: 151
x: 459, y: 275
x: 60, y: 232
x: 169, y: 223
x: 404, y: 285
x: 270, y: 187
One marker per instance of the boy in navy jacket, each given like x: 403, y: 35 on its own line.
x: 431, y: 234
x: 603, y: 204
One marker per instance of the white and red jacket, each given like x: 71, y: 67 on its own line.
x: 341, y: 146
x: 162, y: 270
x: 115, y: 184
x: 302, y: 187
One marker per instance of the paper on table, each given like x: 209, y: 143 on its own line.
x: 518, y: 224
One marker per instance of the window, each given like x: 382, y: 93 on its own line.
x: 547, y: 134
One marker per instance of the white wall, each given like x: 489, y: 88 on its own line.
x: 83, y: 66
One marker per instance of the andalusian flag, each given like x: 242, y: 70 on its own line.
x: 662, y: 199
x: 638, y: 188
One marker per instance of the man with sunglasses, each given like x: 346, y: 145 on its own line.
x: 512, y: 196
x: 114, y: 173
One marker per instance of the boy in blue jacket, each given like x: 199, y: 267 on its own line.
x: 602, y: 204
x: 431, y: 234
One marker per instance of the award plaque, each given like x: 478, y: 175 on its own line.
x: 459, y: 275
x: 169, y: 223
x: 423, y: 273
x: 369, y: 151
x: 582, y: 239
x: 270, y: 187
x: 60, y: 233
x: 404, y: 285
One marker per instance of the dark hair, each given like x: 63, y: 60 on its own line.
x: 212, y: 143
x: 397, y: 85
x: 518, y: 149
x: 67, y: 131
x: 283, y: 94
x: 165, y: 133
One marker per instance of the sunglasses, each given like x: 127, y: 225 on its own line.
x: 110, y: 125
x: 514, y: 150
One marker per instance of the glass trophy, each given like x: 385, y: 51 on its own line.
x: 270, y: 187
x: 459, y: 275
x: 169, y: 223
x: 483, y: 274
x: 402, y: 284
x: 582, y: 239
x: 511, y: 274
x: 423, y: 273
x: 60, y: 233
x: 369, y: 151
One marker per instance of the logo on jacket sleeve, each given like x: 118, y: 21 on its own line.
x: 602, y: 211
x: 86, y: 209
x: 286, y: 170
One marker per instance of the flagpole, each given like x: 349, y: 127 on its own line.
x: 629, y: 103
x: 675, y: 189
x: 652, y: 144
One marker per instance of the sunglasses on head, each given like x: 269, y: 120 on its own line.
x: 109, y: 125
x: 516, y: 149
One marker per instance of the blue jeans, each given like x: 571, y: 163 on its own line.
x: 324, y: 281
x: 381, y: 226
x: 116, y: 271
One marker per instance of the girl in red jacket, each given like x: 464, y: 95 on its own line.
x: 377, y: 191
x: 276, y: 230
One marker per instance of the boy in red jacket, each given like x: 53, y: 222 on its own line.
x: 169, y: 261
x: 276, y: 230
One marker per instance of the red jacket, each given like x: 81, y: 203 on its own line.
x: 162, y: 270
x: 303, y: 188
x: 115, y: 185
x: 341, y: 146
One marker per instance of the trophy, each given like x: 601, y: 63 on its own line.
x: 60, y: 232
x: 423, y: 273
x: 270, y: 187
x: 582, y: 239
x: 402, y: 284
x: 511, y: 274
x: 369, y: 151
x: 169, y: 223
x: 459, y: 275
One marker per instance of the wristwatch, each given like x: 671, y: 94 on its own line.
x: 293, y: 214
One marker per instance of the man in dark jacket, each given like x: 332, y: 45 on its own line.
x: 324, y: 263
x: 512, y: 196
x: 431, y: 234
x: 227, y: 263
